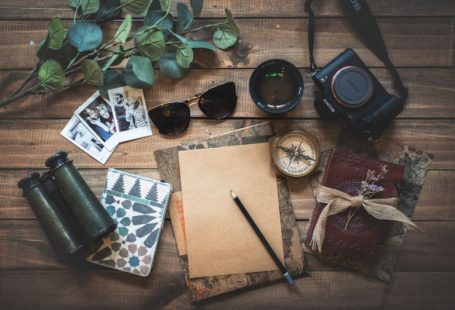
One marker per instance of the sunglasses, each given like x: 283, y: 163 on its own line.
x: 173, y: 118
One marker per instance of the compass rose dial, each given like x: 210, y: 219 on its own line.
x: 295, y: 153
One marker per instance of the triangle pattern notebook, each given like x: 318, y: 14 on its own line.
x: 206, y: 287
x: 138, y: 206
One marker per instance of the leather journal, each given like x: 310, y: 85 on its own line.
x: 358, y: 245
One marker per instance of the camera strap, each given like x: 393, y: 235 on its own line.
x: 364, y: 24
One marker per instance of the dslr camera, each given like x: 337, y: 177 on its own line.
x: 351, y: 93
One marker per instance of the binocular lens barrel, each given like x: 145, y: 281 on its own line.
x: 58, y: 228
x: 93, y: 219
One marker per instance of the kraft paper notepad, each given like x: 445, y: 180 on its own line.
x: 219, y: 239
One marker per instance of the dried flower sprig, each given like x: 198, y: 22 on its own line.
x: 369, y: 188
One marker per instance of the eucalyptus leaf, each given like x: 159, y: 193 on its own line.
x: 166, y: 24
x: 196, y: 5
x: 231, y: 23
x: 124, y: 30
x: 150, y: 42
x: 85, y: 6
x: 136, y: 7
x: 165, y: 5
x: 92, y: 72
x: 170, y: 68
x: 109, y: 10
x: 111, y: 79
x: 139, y: 72
x: 201, y: 44
x: 85, y: 36
x: 184, y: 55
x: 51, y: 75
x: 224, y: 37
x: 185, y: 18
x: 56, y: 34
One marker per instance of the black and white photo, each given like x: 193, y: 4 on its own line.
x: 97, y: 114
x: 78, y: 134
x: 130, y: 113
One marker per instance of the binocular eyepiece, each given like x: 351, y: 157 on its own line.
x: 71, y: 215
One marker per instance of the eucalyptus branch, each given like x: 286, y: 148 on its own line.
x: 58, y: 68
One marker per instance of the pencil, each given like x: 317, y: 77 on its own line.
x: 264, y: 241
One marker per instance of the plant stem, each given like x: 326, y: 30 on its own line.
x: 29, y: 77
x: 204, y: 27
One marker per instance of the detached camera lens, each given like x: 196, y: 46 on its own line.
x: 276, y: 86
x: 352, y: 87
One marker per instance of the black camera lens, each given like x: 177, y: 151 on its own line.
x: 276, y: 86
x: 352, y: 86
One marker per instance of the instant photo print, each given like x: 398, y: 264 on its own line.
x: 97, y: 114
x: 78, y: 134
x: 130, y: 113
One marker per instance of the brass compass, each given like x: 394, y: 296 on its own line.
x: 294, y: 152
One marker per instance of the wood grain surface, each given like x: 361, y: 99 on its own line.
x: 420, y: 35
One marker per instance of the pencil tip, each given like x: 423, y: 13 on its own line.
x: 233, y: 194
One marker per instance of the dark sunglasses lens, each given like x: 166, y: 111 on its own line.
x: 171, y: 119
x: 219, y: 102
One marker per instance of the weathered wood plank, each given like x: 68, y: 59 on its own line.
x: 24, y: 246
x: 435, y: 203
x: 115, y: 290
x: 411, y: 42
x: 258, y: 8
x: 431, y: 94
x: 27, y: 144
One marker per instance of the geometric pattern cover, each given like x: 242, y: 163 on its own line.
x: 138, y: 206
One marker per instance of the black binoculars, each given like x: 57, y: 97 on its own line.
x: 71, y: 215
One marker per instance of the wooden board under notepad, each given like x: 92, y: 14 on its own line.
x: 202, y: 288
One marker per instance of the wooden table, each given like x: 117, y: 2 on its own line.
x: 421, y: 37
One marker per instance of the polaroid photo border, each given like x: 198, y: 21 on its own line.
x: 131, y: 118
x: 90, y: 143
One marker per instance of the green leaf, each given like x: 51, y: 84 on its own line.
x: 85, y: 6
x: 116, y: 58
x: 196, y: 5
x: 124, y: 30
x: 92, y: 72
x: 136, y: 7
x: 111, y: 79
x: 56, y: 34
x: 51, y: 75
x: 231, y: 23
x: 139, y: 72
x: 150, y: 42
x: 170, y: 68
x: 165, y: 5
x: 185, y: 18
x: 165, y: 25
x: 184, y: 55
x: 109, y: 10
x: 201, y: 44
x: 224, y: 38
x: 85, y: 36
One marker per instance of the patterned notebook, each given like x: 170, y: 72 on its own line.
x: 138, y: 206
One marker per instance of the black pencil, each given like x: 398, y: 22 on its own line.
x: 264, y: 241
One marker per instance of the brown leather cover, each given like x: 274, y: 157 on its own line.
x: 358, y: 247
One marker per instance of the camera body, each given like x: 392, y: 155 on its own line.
x: 351, y: 93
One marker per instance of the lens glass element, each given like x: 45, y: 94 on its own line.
x: 276, y: 86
